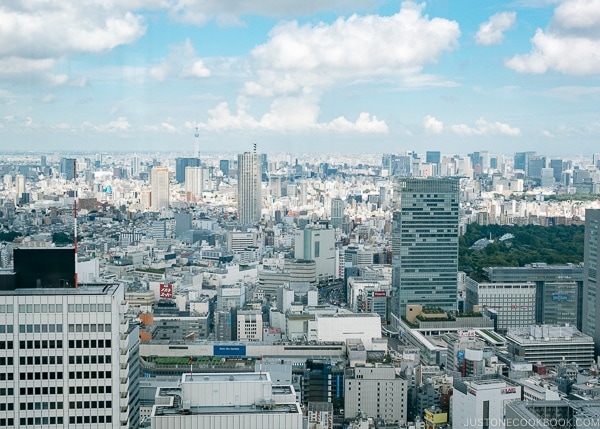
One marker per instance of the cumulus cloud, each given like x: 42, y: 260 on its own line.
x: 289, y: 115
x: 484, y: 128
x: 181, y: 62
x: 49, y: 98
x: 162, y: 127
x: 299, y: 56
x: 569, y: 45
x: 492, y: 31
x: 432, y: 125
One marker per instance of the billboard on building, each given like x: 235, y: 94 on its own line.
x: 229, y: 350
x: 165, y: 290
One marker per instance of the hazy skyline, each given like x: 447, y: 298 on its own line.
x: 328, y: 75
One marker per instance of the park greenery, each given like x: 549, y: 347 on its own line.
x: 560, y: 244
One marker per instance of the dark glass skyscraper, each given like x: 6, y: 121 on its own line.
x: 591, y: 277
x: 425, y: 243
x: 181, y: 164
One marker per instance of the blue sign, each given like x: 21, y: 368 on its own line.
x: 229, y: 350
x: 107, y: 189
x: 560, y: 297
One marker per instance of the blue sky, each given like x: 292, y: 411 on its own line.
x: 301, y: 75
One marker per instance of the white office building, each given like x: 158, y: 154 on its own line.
x: 68, y: 358
x: 481, y: 403
x: 225, y: 401
x: 345, y: 326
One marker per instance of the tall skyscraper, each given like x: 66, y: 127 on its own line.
x: 337, y: 212
x: 591, y: 277
x: 249, y: 187
x: 67, y: 168
x: 159, y: 188
x: 180, y: 166
x: 425, y: 243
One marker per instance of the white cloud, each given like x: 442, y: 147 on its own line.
x: 180, y: 61
x: 297, y: 56
x: 63, y: 27
x: 63, y: 126
x: 432, y: 125
x: 492, y: 31
x: 49, y: 98
x: 570, y: 44
x: 484, y: 128
x: 548, y: 134
x: 289, y: 114
x: 162, y: 127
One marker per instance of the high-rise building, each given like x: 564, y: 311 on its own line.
x: 249, y: 187
x: 521, y: 160
x: 337, y: 212
x: 557, y: 166
x: 180, y: 166
x: 535, y: 164
x: 159, y: 188
x: 591, y: 277
x: 72, y: 358
x: 425, y: 243
x: 224, y: 166
x: 67, y: 168
x: 317, y: 244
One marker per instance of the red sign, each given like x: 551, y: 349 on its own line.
x: 508, y: 390
x: 165, y: 291
x: 379, y: 293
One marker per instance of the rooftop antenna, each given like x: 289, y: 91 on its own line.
x: 197, y: 142
x: 75, y: 219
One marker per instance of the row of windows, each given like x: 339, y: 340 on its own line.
x: 7, y: 376
x: 6, y: 308
x: 90, y: 327
x: 6, y: 345
x: 7, y: 391
x: 40, y: 360
x: 30, y: 421
x: 40, y: 328
x: 90, y: 359
x: 88, y: 308
x: 46, y: 375
x: 52, y: 390
x: 87, y: 404
x: 86, y: 375
x: 85, y: 344
x: 89, y: 419
x: 40, y: 344
x: 38, y: 308
x: 6, y: 360
x: 7, y: 407
x: 7, y: 422
x: 23, y: 406
x: 6, y: 329
x: 89, y: 389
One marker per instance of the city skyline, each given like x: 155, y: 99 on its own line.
x: 355, y: 76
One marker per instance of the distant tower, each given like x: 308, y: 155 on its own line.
x: 249, y: 187
x: 159, y: 188
x: 197, y: 143
x: 337, y: 212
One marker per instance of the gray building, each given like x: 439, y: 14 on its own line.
x: 375, y: 391
x: 337, y: 212
x: 249, y: 187
x: 425, y: 243
x: 591, y: 278
x: 559, y: 290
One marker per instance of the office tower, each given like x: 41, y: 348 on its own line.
x: 73, y: 357
x: 224, y: 166
x: 180, y: 166
x: 557, y: 166
x: 67, y: 168
x: 535, y: 164
x: 317, y: 244
x: 20, y: 185
x: 159, y: 188
x: 135, y: 166
x: 337, y: 212
x: 425, y: 243
x: 591, y: 277
x: 193, y: 183
x: 249, y: 187
x: 521, y: 160
x: 433, y: 157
